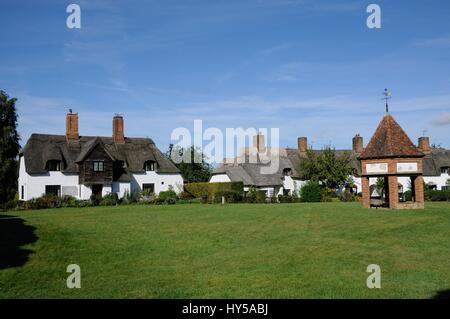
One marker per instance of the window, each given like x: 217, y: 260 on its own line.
x: 148, y: 188
x: 445, y: 170
x: 149, y: 165
x: 53, y: 165
x: 22, y: 192
x: 99, y: 166
x: 287, y: 171
x: 53, y: 190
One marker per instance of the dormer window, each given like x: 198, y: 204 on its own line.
x: 98, y: 166
x: 53, y: 165
x: 149, y: 166
x: 445, y: 170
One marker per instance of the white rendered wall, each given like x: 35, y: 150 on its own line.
x: 438, y: 180
x: 34, y: 185
x: 219, y: 178
x: 161, y: 181
x: 121, y: 188
x: 86, y: 192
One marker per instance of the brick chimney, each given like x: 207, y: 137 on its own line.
x: 424, y: 145
x: 72, y: 126
x: 259, y: 143
x: 302, y: 145
x: 358, y: 146
x: 118, y: 130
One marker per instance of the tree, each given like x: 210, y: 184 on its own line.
x: 194, y: 167
x: 326, y: 167
x: 9, y: 148
x: 380, y: 185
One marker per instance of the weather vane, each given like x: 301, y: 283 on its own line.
x: 387, y: 95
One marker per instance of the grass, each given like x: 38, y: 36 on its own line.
x: 234, y: 251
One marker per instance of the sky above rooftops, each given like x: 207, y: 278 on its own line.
x: 310, y: 68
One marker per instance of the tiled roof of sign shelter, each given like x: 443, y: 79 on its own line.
x: 389, y: 141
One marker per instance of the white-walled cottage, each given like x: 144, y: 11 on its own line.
x: 436, y: 167
x: 84, y: 165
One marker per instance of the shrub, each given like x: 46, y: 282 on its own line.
x: 185, y: 195
x: 200, y: 190
x: 260, y: 196
x: 12, y: 204
x: 285, y: 199
x: 167, y: 194
x: 109, y: 200
x: 45, y: 201
x: 327, y: 194
x: 437, y: 195
x: 95, y: 199
x: 408, y: 195
x: 170, y: 201
x: 310, y: 192
x: 132, y: 197
x: 347, y: 196
x: 230, y: 197
x: 273, y: 199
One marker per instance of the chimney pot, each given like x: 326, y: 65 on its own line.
x: 72, y: 126
x: 424, y: 144
x: 118, y: 129
x: 358, y: 146
x: 302, y: 145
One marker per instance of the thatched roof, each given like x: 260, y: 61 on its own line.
x: 250, y: 174
x: 389, y: 140
x: 41, y: 148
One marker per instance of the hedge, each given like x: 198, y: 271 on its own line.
x: 437, y: 195
x: 210, y: 190
x: 311, y: 192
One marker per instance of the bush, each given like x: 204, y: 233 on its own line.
x: 260, y: 197
x: 95, y: 199
x: 285, y: 199
x: 327, y: 194
x: 185, y: 196
x: 408, y: 195
x: 170, y: 201
x: 230, y: 197
x: 209, y: 190
x: 130, y: 198
x: 347, y: 196
x: 12, y: 204
x: 164, y: 195
x: 437, y: 195
x: 310, y: 192
x: 109, y: 200
x: 45, y: 201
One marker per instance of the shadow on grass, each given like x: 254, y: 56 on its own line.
x: 442, y: 294
x: 14, y: 234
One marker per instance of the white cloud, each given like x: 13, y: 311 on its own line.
x: 442, y: 119
x: 443, y: 41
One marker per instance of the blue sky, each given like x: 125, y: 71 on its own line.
x: 311, y: 68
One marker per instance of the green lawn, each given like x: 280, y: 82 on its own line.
x: 235, y: 251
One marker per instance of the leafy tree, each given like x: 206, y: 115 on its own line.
x: 326, y: 167
x: 379, y: 185
x: 191, y: 162
x: 9, y: 148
